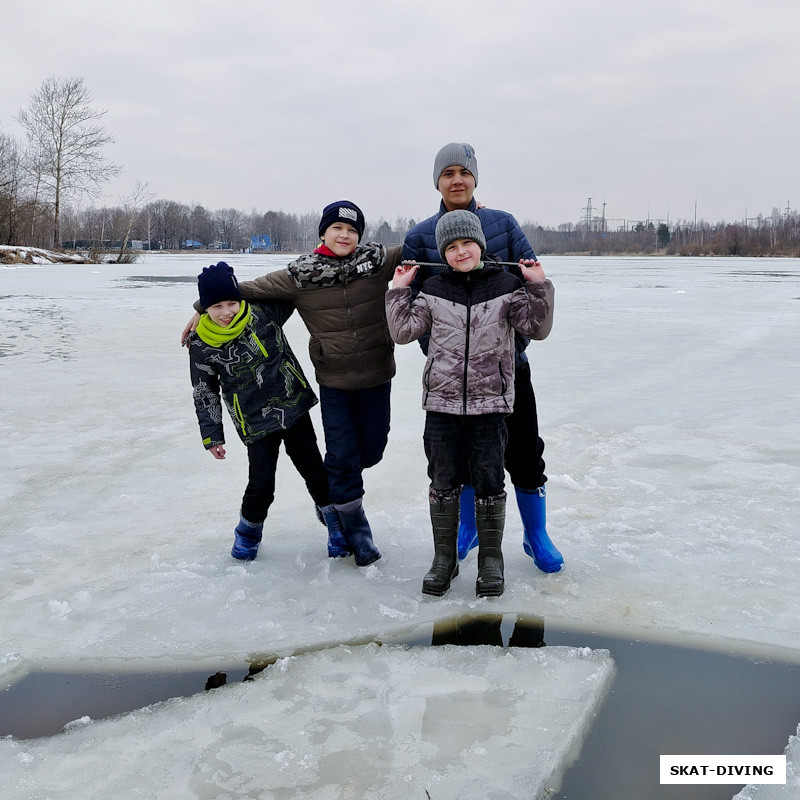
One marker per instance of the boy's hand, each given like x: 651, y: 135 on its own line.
x: 532, y: 270
x: 218, y: 451
x: 191, y: 326
x: 404, y: 274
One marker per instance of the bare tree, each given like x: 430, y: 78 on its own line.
x: 132, y: 205
x: 66, y: 142
x: 10, y: 168
x: 230, y: 223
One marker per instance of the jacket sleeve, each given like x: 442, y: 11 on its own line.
x: 207, y: 403
x: 277, y: 310
x: 276, y: 285
x: 407, y: 320
x: 392, y: 260
x: 518, y: 244
x: 413, y: 249
x: 531, y: 310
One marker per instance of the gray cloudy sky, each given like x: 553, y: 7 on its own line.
x: 648, y: 106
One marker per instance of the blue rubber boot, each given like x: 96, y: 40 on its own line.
x: 357, y: 532
x: 535, y: 540
x: 337, y: 544
x: 247, y: 539
x: 467, y: 530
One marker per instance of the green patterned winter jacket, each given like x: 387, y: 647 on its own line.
x: 257, y: 373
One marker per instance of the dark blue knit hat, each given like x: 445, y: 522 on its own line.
x: 216, y: 284
x: 342, y: 211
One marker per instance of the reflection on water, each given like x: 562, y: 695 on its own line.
x: 665, y: 699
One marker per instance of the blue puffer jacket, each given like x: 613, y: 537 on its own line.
x: 504, y: 239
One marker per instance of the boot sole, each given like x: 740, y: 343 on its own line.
x: 439, y: 592
x: 491, y: 591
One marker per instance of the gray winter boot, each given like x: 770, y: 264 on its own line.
x: 444, y: 520
x: 490, y: 518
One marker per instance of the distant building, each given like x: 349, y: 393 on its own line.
x: 260, y: 243
x: 191, y: 244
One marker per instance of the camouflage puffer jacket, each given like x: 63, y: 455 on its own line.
x: 471, y: 318
x: 341, y: 301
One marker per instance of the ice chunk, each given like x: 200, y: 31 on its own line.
x: 368, y: 722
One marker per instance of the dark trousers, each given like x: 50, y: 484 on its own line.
x: 525, y: 449
x: 454, y: 442
x: 300, y: 442
x: 356, y: 425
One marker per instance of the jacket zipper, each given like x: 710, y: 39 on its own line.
x: 356, y: 349
x: 466, y: 344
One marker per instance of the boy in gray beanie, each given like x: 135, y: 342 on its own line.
x: 471, y: 311
x: 459, y: 225
x: 455, y: 176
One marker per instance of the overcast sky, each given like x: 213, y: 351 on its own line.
x: 655, y: 108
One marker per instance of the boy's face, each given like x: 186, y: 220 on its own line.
x: 340, y: 238
x: 457, y: 185
x: 463, y: 255
x: 224, y: 312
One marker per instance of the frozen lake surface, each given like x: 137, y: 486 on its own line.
x: 668, y: 398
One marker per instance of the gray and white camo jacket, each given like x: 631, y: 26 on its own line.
x: 471, y: 318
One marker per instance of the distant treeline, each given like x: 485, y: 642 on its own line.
x: 168, y: 225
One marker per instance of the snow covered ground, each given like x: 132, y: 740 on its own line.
x: 668, y: 396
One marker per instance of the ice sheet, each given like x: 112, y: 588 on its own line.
x: 370, y: 722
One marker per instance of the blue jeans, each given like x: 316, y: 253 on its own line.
x: 356, y: 425
x: 477, y: 442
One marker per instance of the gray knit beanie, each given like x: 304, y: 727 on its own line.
x: 455, y: 154
x: 459, y: 224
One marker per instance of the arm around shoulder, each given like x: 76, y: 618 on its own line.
x: 276, y: 285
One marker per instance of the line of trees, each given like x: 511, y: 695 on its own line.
x: 775, y: 235
x: 45, y: 182
x: 168, y: 225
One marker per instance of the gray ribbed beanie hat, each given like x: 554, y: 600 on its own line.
x: 459, y: 224
x: 455, y: 153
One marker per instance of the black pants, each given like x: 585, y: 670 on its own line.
x: 454, y: 442
x: 525, y: 450
x: 300, y: 442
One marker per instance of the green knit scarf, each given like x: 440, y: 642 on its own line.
x: 215, y: 335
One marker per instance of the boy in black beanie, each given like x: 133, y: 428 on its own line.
x: 339, y: 292
x: 241, y: 352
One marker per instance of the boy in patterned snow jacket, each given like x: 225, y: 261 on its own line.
x: 471, y: 311
x: 241, y: 350
x: 339, y: 291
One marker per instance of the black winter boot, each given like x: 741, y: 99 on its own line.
x: 444, y: 519
x: 357, y: 532
x: 490, y: 518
